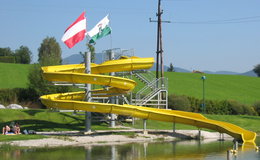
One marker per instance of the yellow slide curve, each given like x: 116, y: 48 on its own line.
x: 73, y: 100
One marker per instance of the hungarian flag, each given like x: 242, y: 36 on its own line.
x: 100, y: 30
x: 75, y: 32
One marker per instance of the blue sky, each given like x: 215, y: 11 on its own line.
x: 204, y: 34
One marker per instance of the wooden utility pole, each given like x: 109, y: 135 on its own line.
x: 159, y: 51
x: 159, y: 40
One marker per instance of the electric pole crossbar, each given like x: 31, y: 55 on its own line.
x: 159, y: 52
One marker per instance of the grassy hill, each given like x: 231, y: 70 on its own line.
x: 217, y: 87
x: 243, y: 89
x: 14, y: 75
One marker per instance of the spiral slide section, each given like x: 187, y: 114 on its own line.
x: 117, y: 85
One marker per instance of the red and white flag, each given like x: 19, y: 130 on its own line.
x: 75, y: 32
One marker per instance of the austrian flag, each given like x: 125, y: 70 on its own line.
x: 75, y: 32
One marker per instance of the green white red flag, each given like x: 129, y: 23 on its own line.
x: 100, y: 30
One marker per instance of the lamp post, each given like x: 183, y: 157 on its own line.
x: 203, y: 92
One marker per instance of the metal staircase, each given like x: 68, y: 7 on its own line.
x: 155, y: 93
x: 144, y: 76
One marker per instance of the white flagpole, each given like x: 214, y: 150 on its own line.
x: 88, y: 88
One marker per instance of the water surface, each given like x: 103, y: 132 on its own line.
x: 214, y: 150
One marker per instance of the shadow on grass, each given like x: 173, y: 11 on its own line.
x: 32, y: 112
x: 251, y: 117
x: 48, y: 122
x: 75, y: 118
x: 43, y: 125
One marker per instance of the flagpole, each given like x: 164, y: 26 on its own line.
x: 88, y: 89
x: 75, y: 33
x: 111, y: 40
x: 100, y: 30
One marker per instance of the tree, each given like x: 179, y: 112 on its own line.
x: 23, y: 55
x: 49, y: 52
x: 7, y: 55
x: 92, y: 51
x: 39, y: 85
x: 171, y: 69
x: 6, y: 52
x: 257, y: 70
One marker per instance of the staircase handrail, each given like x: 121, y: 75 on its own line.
x: 142, y: 78
x: 150, y: 96
x: 148, y: 86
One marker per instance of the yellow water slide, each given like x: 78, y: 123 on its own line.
x: 117, y: 85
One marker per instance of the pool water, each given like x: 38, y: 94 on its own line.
x: 214, y: 150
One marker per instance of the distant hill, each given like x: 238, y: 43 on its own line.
x: 77, y: 59
x: 73, y: 59
x: 249, y: 73
x: 177, y: 69
x: 222, y: 72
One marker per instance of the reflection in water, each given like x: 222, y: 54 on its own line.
x: 157, y: 150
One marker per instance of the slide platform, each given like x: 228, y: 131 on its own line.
x: 73, y: 100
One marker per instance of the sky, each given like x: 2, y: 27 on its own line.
x: 214, y: 35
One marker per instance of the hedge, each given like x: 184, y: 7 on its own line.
x: 7, y: 59
x: 224, y: 107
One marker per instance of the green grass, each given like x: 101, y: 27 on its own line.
x: 5, y: 138
x: 247, y: 122
x: 14, y: 75
x: 45, y: 120
x: 243, y: 89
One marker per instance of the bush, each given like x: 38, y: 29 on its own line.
x: 179, y: 103
x: 211, y: 107
x: 15, y: 95
x: 224, y: 107
x: 195, y: 104
x: 8, y: 96
x: 257, y: 107
x: 248, y: 110
x: 235, y: 107
x: 7, y: 59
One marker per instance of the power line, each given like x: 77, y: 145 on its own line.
x: 223, y: 21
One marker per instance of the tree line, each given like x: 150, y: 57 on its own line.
x: 22, y: 55
x: 222, y: 107
x: 49, y: 53
x: 257, y: 70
